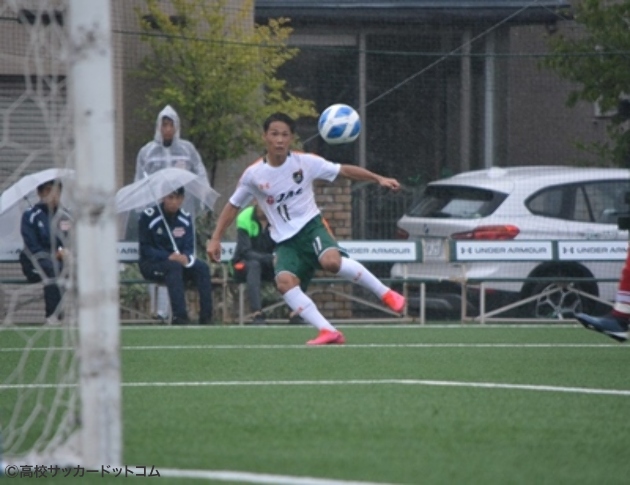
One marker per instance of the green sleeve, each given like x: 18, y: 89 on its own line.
x: 246, y: 222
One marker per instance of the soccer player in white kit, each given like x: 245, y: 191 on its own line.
x: 282, y: 183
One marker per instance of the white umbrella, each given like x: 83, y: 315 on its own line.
x: 151, y: 189
x: 19, y: 197
x: 25, y: 189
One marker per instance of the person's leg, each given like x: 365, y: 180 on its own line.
x: 331, y: 259
x: 253, y: 277
x: 355, y: 272
x: 268, y: 272
x: 52, y: 294
x: 622, y: 299
x: 28, y: 269
x: 159, y: 303
x: 200, y: 274
x: 305, y: 307
x: 162, y: 304
x: 615, y: 326
x: 152, y: 289
x: 170, y: 273
x: 292, y: 260
x: 616, y: 323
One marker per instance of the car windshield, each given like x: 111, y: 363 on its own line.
x: 456, y: 202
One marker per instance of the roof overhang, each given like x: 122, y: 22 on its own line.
x: 414, y: 11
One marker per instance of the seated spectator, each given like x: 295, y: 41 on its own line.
x: 167, y: 256
x: 253, y: 257
x: 167, y: 149
x: 43, y: 227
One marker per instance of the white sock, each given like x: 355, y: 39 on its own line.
x: 163, y: 303
x: 354, y: 271
x: 622, y: 308
x: 301, y: 303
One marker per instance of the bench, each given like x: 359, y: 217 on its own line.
x: 402, y: 252
x: 365, y: 251
x: 127, y: 252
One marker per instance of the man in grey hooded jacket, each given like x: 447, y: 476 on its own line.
x: 168, y: 150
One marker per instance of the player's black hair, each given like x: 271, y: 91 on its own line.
x: 50, y: 183
x: 179, y: 191
x: 285, y: 118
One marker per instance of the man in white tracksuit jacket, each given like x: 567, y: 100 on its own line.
x: 167, y: 150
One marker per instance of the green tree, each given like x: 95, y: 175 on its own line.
x: 218, y: 71
x: 599, y: 63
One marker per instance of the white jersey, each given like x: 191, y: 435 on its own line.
x: 285, y: 193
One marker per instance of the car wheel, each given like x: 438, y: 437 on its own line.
x: 561, y: 299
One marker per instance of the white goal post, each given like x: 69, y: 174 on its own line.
x: 60, y: 397
x: 92, y: 98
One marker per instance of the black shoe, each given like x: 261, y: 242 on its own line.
x: 206, y: 321
x: 259, y: 319
x: 180, y: 321
x: 616, y: 327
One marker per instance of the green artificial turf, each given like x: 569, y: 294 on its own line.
x: 395, y: 405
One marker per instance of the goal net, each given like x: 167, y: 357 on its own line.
x: 59, y: 337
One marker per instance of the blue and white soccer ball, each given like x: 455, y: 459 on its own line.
x: 339, y: 123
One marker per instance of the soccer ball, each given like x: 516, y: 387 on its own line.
x: 338, y: 124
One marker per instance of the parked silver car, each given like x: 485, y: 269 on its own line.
x: 527, y: 203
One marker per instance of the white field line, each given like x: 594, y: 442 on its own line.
x: 247, y: 477
x: 405, y: 326
x: 346, y: 346
x: 353, y: 382
x: 241, y: 328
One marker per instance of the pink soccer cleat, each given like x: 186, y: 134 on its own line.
x: 394, y: 300
x: 327, y: 337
